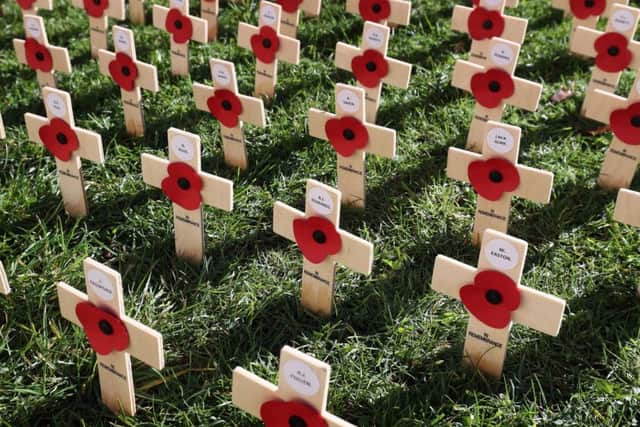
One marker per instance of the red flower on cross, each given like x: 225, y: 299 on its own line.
x: 276, y: 413
x: 492, y: 87
x: 346, y: 135
x: 59, y: 139
x: 493, y: 177
x: 317, y: 238
x: 37, y: 55
x: 225, y: 106
x: 106, y: 332
x: 124, y: 71
x: 369, y: 68
x: 492, y: 297
x: 183, y: 186
x: 265, y: 44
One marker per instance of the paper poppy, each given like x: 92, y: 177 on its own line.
x: 374, y: 10
x: 346, y: 135
x: 96, y: 8
x: 369, y: 68
x: 37, y: 55
x: 59, y: 138
x: 106, y: 332
x: 225, y: 106
x: 625, y: 124
x: 491, y: 298
x: 276, y: 413
x: 317, y: 238
x: 26, y: 4
x: 124, y: 71
x: 485, y: 24
x: 289, y: 6
x: 183, y: 186
x: 265, y: 44
x: 492, y: 87
x: 494, y: 177
x: 582, y: 9
x: 179, y: 26
x: 613, y: 54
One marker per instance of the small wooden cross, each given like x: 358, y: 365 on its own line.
x: 496, y: 176
x: 299, y: 398
x: 99, y: 12
x: 386, y: 12
x: 38, y: 54
x: 182, y: 180
x: 209, y: 10
x: 371, y: 66
x: 30, y: 7
x: 136, y: 12
x: 182, y: 28
x: 4, y: 282
x: 484, y: 22
x: 628, y: 207
x: 494, y: 86
x: 113, y: 335
x: 352, y: 137
x: 323, y: 244
x: 494, y: 298
x: 586, y: 13
x: 290, y: 16
x: 68, y: 144
x: 614, y: 50
x: 131, y: 75
x: 230, y: 108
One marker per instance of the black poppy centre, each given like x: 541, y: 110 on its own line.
x: 589, y: 3
x: 635, y: 121
x: 493, y: 297
x: 319, y: 237
x: 184, y: 183
x: 495, y: 176
x: 348, y: 134
x: 266, y: 43
x: 376, y: 8
x: 97, y: 2
x: 226, y: 105
x: 296, y: 421
x: 62, y: 138
x: 40, y: 56
x: 613, y: 51
x: 371, y: 66
x: 494, y: 86
x: 126, y: 71
x: 487, y: 24
x: 105, y: 327
x: 178, y: 24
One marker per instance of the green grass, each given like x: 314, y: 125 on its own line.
x: 394, y: 344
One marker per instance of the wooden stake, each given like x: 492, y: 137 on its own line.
x: 285, y: 49
x: 136, y: 12
x: 318, y: 235
x: 3, y: 134
x: 350, y: 102
x: 628, y: 208
x: 501, y: 141
x: 189, y: 189
x: 99, y: 21
x: 100, y: 312
x: 375, y: 38
x: 4, y: 282
x: 492, y: 291
x: 120, y: 65
x: 301, y: 392
x: 175, y: 20
x: 209, y: 10
x: 225, y: 85
x: 399, y: 11
x: 590, y: 18
x: 57, y: 132
x: 35, y: 6
x: 290, y: 16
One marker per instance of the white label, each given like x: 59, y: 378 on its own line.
x: 638, y: 87
x: 500, y: 140
x: 56, y: 105
x: 122, y: 41
x: 348, y: 101
x: 100, y: 284
x: 177, y: 3
x: 491, y: 4
x: 622, y: 21
x: 375, y: 38
x: 501, y: 54
x: 501, y: 254
x: 33, y: 27
x: 321, y: 201
x: 301, y: 378
x: 269, y: 15
x: 182, y: 148
x: 221, y: 75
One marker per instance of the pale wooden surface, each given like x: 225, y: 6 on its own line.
x: 289, y: 21
x: 209, y: 12
x: 400, y: 11
x: 98, y: 27
x: 38, y: 4
x: 628, y: 207
x: 3, y: 134
x: 4, y: 282
x: 136, y: 12
x: 591, y: 21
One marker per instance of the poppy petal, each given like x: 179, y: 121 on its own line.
x: 493, y: 177
x: 225, y: 106
x: 491, y: 298
x: 276, y: 413
x: 289, y: 6
x: 183, y: 186
x: 369, y: 68
x: 582, y: 9
x: 492, y: 87
x: 124, y: 71
x: 317, y: 238
x: 374, y: 10
x: 179, y: 26
x: 38, y: 56
x: 613, y: 54
x: 106, y: 333
x: 346, y: 135
x: 625, y: 124
x: 265, y: 44
x: 96, y: 8
x: 59, y: 139
x: 485, y: 24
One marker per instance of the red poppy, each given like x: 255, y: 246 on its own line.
x: 38, y: 56
x: 275, y: 413
x: 346, y: 135
x: 317, y: 238
x: 124, y: 71
x: 59, y: 138
x: 179, y: 26
x: 485, y: 24
x: 26, y: 4
x: 289, y: 6
x: 369, y: 68
x: 582, y: 9
x: 492, y: 87
x: 491, y: 298
x: 494, y: 177
x: 225, y: 106
x: 625, y: 124
x: 106, y: 332
x: 613, y: 52
x: 183, y: 186
x: 265, y: 44
x: 96, y: 8
x: 374, y: 10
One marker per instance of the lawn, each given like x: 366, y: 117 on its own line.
x: 394, y: 344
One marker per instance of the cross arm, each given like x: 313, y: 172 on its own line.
x: 283, y: 217
x: 527, y: 94
x: 34, y: 123
x: 399, y: 15
x: 445, y: 270
x: 603, y: 104
x: 59, y: 56
x: 217, y: 192
x: 462, y: 72
x: 147, y: 74
x: 90, y: 147
x: 458, y: 162
x: 289, y: 50
x: 628, y: 207
x: 252, y: 108
x: 535, y: 184
x: 399, y: 72
x: 356, y: 253
x: 540, y: 311
x: 154, y: 169
x: 249, y: 392
x: 583, y: 41
x: 311, y: 7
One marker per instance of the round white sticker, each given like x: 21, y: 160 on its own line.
x: 177, y: 3
x: 501, y: 254
x: 221, y: 75
x: 56, y: 105
x: 501, y: 54
x: 500, y: 140
x: 321, y: 201
x: 100, y: 284
x: 622, y: 20
x: 375, y: 38
x: 121, y: 41
x: 301, y: 378
x: 348, y: 101
x: 182, y: 148
x: 491, y: 4
x: 33, y: 27
x: 269, y: 15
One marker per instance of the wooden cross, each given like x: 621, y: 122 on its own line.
x: 99, y: 12
x: 485, y: 21
x: 352, y: 138
x: 131, y: 75
x: 136, y: 12
x: 38, y: 54
x: 628, y: 207
x: 323, y: 244
x: 494, y: 86
x: 497, y: 177
x: 371, y: 66
x: 386, y: 12
x: 230, y: 108
x: 290, y: 16
x: 113, y: 335
x: 299, y: 398
x: 30, y: 7
x: 69, y: 144
x: 269, y: 46
x: 182, y: 180
x: 589, y: 12
x: 494, y: 298
x: 182, y: 28
x: 4, y: 282
x: 614, y: 50
x: 209, y: 10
